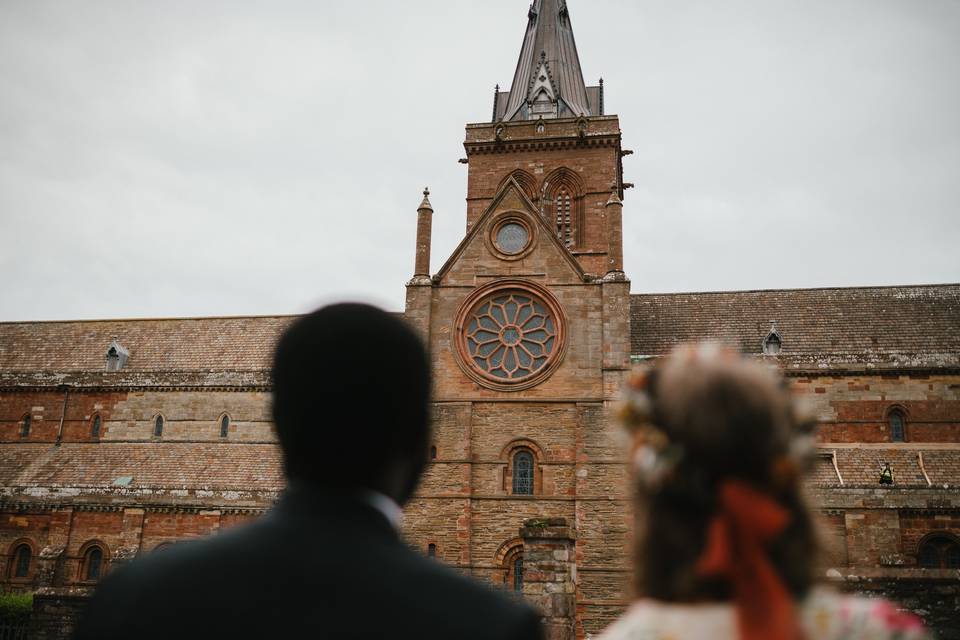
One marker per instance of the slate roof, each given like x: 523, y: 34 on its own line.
x: 916, y: 326
x: 178, y: 345
x: 171, y: 472
x: 860, y: 467
x: 151, y: 465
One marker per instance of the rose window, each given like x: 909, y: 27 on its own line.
x: 511, y: 336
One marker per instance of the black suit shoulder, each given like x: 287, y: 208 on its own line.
x: 342, y: 580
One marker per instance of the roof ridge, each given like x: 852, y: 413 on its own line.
x: 155, y: 319
x: 796, y: 289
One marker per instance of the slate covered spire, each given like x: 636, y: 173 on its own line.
x: 548, y: 82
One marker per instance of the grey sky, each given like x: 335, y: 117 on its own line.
x: 184, y: 158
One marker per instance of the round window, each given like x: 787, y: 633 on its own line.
x: 512, y: 238
x: 510, y: 337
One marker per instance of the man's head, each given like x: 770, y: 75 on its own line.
x: 351, y: 391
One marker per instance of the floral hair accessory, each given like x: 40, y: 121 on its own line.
x: 637, y: 407
x: 654, y: 457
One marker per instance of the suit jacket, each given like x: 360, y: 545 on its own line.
x: 316, y: 566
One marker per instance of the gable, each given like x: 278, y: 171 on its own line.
x: 511, y: 239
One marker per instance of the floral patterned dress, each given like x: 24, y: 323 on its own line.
x: 825, y: 615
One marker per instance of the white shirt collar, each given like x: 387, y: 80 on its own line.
x: 386, y: 506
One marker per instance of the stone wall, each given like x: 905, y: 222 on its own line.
x: 56, y: 613
x: 855, y: 408
x: 935, y: 599
x: 190, y: 415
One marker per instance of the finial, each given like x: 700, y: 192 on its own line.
x: 425, y: 205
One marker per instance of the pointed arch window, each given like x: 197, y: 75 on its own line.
x: 22, y: 561
x: 96, y: 425
x: 939, y: 552
x: 25, y: 424
x: 224, y: 426
x: 158, y: 424
x: 898, y: 426
x: 523, y: 464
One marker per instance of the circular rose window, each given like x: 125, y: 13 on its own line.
x: 510, y: 336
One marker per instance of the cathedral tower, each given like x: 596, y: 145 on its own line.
x: 529, y: 331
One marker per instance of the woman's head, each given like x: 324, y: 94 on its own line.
x: 699, y: 419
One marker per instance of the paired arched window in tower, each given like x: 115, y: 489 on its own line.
x: 898, y: 425
x: 523, y: 473
x: 21, y: 561
x: 92, y: 563
x: 563, y: 206
x: 939, y: 551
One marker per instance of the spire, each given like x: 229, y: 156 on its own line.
x: 548, y: 81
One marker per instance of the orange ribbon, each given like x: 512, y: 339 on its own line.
x: 736, y: 551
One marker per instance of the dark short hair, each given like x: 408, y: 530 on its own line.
x: 351, y: 393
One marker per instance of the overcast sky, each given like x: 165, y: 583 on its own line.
x: 184, y: 158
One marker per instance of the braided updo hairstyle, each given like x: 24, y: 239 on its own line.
x: 699, y: 418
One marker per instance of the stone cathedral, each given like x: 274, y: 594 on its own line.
x: 118, y: 438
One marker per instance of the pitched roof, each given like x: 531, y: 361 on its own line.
x: 150, y: 465
x: 178, y: 345
x: 832, y: 328
x: 548, y: 47
x: 252, y: 474
x: 908, y: 325
x: 861, y: 466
